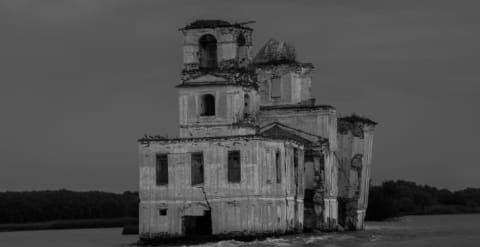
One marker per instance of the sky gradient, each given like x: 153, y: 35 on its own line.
x: 82, y: 80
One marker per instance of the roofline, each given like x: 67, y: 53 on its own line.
x: 220, y: 24
x: 289, y: 63
x: 148, y: 139
x: 213, y: 84
x: 323, y: 139
x: 296, y: 107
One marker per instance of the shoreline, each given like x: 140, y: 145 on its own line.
x: 69, y: 224
x: 130, y: 224
x: 398, y: 218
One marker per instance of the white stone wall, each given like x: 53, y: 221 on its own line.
x: 321, y: 122
x: 354, y: 182
x: 255, y: 205
x: 229, y: 110
x: 295, y: 85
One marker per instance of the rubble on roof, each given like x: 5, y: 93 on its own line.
x: 213, y: 24
x: 355, y: 118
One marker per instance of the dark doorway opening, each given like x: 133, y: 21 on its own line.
x: 198, y: 225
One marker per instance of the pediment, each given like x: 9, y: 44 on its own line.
x: 281, y: 130
x: 207, y: 78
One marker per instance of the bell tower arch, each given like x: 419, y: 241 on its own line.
x: 216, y: 44
x: 207, y: 54
x: 218, y: 93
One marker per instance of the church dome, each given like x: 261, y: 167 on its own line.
x: 275, y: 52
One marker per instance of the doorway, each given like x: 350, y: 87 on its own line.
x: 198, y: 225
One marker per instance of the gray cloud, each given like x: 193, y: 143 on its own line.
x: 82, y: 80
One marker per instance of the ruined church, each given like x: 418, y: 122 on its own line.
x: 256, y: 155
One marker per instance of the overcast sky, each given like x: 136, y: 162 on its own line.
x: 81, y: 81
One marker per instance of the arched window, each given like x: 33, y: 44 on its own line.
x: 241, y: 40
x: 246, y: 102
x: 208, y: 105
x: 208, y: 52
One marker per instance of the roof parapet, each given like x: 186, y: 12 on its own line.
x: 212, y: 23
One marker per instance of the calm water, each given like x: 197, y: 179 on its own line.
x: 412, y: 231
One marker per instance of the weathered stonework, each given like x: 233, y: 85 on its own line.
x: 355, y: 137
x: 255, y: 155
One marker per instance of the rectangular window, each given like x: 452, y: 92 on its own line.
x: 234, y: 173
x: 295, y: 158
x: 278, y: 167
x: 162, y: 169
x: 295, y: 168
x: 276, y: 87
x: 162, y: 211
x: 197, y: 168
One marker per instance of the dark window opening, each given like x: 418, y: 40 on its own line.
x: 241, y: 40
x: 342, y: 212
x: 246, y: 107
x: 234, y: 172
x: 295, y: 157
x: 208, y: 52
x: 162, y: 169
x: 208, y: 105
x: 295, y: 168
x: 278, y: 167
x: 197, y: 168
x: 276, y: 90
x: 162, y: 211
x: 198, y: 225
x: 308, y: 156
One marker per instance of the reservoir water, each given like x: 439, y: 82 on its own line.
x: 411, y: 231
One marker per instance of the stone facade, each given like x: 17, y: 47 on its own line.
x: 255, y: 154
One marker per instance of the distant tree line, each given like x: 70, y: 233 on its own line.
x: 398, y: 198
x: 38, y: 206
x: 390, y: 199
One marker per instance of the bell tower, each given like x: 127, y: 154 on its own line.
x: 216, y: 44
x: 218, y: 93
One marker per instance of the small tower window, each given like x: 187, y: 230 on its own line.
x: 208, y: 52
x: 208, y: 105
x: 276, y: 88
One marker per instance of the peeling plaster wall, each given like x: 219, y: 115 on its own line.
x: 229, y: 110
x: 256, y: 205
x: 323, y: 123
x: 354, y: 157
x: 295, y: 85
